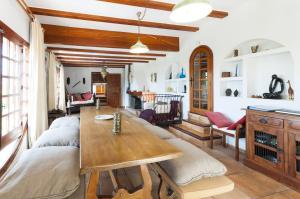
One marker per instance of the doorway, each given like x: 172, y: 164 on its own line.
x: 201, y: 80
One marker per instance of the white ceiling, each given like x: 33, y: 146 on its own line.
x: 121, y: 11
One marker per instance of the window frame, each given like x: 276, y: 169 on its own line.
x: 10, y: 35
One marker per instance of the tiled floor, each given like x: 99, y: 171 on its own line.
x: 249, y: 183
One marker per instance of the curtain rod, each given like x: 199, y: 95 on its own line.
x: 25, y: 7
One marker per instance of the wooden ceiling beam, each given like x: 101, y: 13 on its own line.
x: 88, y: 17
x: 108, y: 39
x: 86, y: 66
x: 157, y: 5
x: 102, y: 60
x: 70, y: 55
x: 55, y: 49
x: 92, y: 62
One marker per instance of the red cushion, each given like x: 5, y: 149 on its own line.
x: 87, y: 95
x: 241, y: 121
x: 218, y: 119
x: 77, y: 97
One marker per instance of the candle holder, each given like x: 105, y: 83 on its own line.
x: 117, y: 123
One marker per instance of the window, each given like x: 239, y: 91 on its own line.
x: 14, y: 93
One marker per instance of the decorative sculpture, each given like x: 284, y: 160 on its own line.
x: 290, y: 91
x: 273, y: 85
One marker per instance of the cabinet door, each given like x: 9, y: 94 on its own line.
x: 265, y: 146
x: 294, y: 148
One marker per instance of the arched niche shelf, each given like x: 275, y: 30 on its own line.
x: 251, y: 72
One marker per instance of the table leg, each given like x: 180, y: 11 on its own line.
x: 147, y: 189
x: 93, y: 185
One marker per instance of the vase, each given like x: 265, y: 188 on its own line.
x: 182, y: 75
x: 228, y: 92
x: 236, y: 93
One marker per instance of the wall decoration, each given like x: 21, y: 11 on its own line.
x: 154, y: 77
x: 83, y: 80
x: 68, y: 80
x: 170, y: 76
x: 226, y: 74
x: 76, y: 84
x: 290, y: 91
x: 228, y: 92
x: 254, y: 49
x: 236, y: 93
x: 237, y: 70
x: 272, y: 87
x: 184, y: 89
x: 151, y: 77
x: 236, y: 52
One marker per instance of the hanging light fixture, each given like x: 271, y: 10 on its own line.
x: 190, y: 11
x: 104, y: 72
x: 139, y: 47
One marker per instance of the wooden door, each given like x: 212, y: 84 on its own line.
x: 265, y: 146
x: 201, y: 80
x: 113, y: 90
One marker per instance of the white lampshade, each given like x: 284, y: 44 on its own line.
x: 190, y: 11
x: 138, y: 47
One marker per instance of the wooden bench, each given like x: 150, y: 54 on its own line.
x: 231, y: 133
x: 202, y: 188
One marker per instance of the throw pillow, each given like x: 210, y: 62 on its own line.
x: 218, y: 119
x: 241, y: 121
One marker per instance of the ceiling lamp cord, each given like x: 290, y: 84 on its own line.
x: 139, y: 47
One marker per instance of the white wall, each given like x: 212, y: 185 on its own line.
x: 78, y: 73
x: 269, y: 19
x: 15, y: 17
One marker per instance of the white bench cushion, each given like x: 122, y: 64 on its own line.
x: 195, y: 164
x: 64, y: 136
x: 160, y: 132
x: 71, y: 121
x: 224, y: 129
x: 42, y: 173
x: 141, y: 121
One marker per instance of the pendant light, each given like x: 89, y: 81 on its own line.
x: 104, y: 72
x: 190, y: 11
x: 139, y: 47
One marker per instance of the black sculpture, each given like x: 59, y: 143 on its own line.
x: 273, y: 85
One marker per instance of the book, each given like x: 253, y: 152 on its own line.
x: 262, y: 108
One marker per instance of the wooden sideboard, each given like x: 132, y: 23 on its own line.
x: 273, y: 145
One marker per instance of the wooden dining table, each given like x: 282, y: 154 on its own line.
x: 102, y: 151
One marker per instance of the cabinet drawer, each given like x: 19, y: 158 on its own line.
x: 294, y: 125
x: 267, y: 121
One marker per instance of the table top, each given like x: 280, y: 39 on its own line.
x: 101, y: 150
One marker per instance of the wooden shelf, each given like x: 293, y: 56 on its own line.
x: 176, y: 80
x: 265, y: 146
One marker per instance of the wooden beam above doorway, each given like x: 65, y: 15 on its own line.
x: 157, y: 5
x: 92, y: 66
x: 88, y: 17
x: 71, y: 55
x: 108, y: 39
x: 59, y: 49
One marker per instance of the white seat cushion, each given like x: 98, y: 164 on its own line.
x: 65, y: 122
x: 42, y: 173
x: 141, y: 121
x: 160, y: 132
x: 194, y: 165
x: 64, y: 136
x: 224, y: 129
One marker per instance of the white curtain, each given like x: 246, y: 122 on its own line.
x: 62, y: 91
x: 53, y: 80
x: 38, y: 112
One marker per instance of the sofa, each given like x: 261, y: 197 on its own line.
x: 81, y: 99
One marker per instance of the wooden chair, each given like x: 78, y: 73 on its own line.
x: 231, y: 133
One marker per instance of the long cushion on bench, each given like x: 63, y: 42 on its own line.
x: 195, y: 164
x: 140, y: 120
x: 64, y: 136
x: 71, y: 121
x: 42, y: 173
x: 160, y: 132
